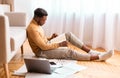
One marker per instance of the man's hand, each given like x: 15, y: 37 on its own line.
x: 63, y: 44
x: 54, y: 35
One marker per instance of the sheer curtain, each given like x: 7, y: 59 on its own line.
x: 95, y: 22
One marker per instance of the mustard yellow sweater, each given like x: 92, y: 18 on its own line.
x: 37, y: 39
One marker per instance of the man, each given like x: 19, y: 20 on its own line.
x: 42, y: 47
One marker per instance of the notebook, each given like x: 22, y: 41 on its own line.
x: 39, y: 65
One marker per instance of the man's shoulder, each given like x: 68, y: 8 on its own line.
x: 33, y: 26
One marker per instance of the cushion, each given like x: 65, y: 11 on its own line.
x: 15, y: 15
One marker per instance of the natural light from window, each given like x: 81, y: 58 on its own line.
x: 83, y: 6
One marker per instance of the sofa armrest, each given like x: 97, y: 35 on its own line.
x: 17, y: 18
x: 4, y: 39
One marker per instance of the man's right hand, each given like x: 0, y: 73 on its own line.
x: 63, y: 44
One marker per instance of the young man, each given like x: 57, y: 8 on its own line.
x: 42, y: 47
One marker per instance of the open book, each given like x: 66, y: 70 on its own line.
x: 58, y: 39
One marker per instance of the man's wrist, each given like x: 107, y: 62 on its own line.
x: 60, y: 44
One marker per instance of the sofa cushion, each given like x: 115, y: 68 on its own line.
x: 17, y: 37
x: 21, y: 22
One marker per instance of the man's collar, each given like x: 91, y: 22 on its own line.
x: 33, y: 21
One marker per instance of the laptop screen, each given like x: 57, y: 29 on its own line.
x: 38, y: 66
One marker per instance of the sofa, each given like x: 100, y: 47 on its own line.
x: 12, y: 36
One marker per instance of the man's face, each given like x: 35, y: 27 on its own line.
x: 42, y: 20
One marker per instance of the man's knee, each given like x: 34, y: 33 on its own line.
x: 67, y: 35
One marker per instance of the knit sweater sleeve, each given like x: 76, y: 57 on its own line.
x: 39, y: 41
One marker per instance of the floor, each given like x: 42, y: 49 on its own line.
x: 95, y: 69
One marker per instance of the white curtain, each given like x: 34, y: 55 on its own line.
x: 95, y: 22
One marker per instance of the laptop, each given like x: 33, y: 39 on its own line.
x: 39, y: 65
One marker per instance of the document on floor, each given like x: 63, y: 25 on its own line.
x: 63, y: 72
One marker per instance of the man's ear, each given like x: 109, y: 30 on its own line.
x: 37, y: 19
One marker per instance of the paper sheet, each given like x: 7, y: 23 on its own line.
x: 21, y: 71
x: 63, y: 72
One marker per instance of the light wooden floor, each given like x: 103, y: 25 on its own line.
x: 108, y: 69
